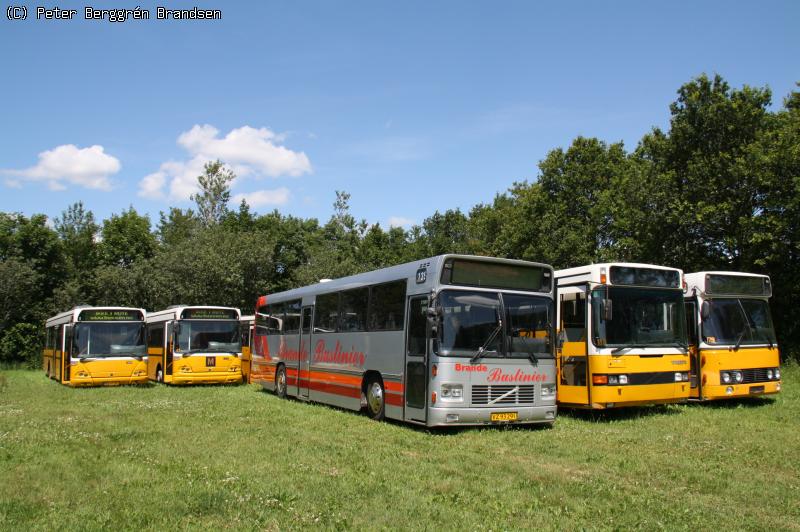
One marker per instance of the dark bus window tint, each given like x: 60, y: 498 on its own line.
x: 262, y: 320
x: 386, y: 306
x: 155, y: 335
x: 277, y: 311
x: 307, y: 320
x: 417, y: 324
x: 691, y: 322
x: 327, y: 313
x: 354, y: 310
x: 291, y: 324
x: 573, y: 317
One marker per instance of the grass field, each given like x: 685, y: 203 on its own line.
x: 236, y: 457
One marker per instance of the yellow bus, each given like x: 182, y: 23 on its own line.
x: 95, y: 346
x: 734, y: 351
x: 194, y: 345
x: 622, y: 336
x: 247, y: 346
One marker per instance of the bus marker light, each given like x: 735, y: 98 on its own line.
x: 599, y: 379
x: 729, y: 390
x: 434, y: 370
x: 451, y: 418
x: 433, y: 398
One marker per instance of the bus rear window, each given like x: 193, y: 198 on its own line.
x: 487, y: 274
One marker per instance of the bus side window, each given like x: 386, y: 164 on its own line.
x: 417, y: 322
x: 691, y: 322
x: 155, y: 335
x: 573, y: 317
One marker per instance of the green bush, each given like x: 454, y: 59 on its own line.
x: 22, y: 344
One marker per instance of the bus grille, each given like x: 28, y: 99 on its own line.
x: 503, y: 395
x: 754, y: 375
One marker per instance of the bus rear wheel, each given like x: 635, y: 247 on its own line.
x: 159, y: 374
x: 376, y: 404
x: 280, y: 382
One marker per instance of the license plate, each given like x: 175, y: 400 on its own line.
x: 211, y: 362
x: 503, y: 416
x: 756, y: 389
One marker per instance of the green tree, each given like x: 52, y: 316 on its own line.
x: 215, y: 192
x: 177, y: 226
x: 126, y: 239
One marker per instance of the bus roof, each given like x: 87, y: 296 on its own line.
x: 408, y: 272
x: 699, y: 281
x: 590, y: 273
x: 175, y: 312
x: 70, y: 316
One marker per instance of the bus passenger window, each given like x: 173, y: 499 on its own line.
x: 387, y: 306
x: 291, y: 324
x: 327, y: 313
x: 155, y: 335
x: 353, y: 312
x: 417, y: 324
x: 573, y: 317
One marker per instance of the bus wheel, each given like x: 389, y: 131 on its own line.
x: 159, y: 374
x: 280, y: 382
x: 376, y: 406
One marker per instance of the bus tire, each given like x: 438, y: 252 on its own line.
x: 376, y: 399
x: 280, y: 382
x: 159, y: 374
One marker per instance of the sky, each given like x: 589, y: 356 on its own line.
x: 411, y: 107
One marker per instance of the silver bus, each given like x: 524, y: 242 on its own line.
x: 449, y: 340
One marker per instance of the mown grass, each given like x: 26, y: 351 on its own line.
x: 235, y: 457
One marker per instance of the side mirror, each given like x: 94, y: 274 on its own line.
x: 608, y: 309
x: 176, y: 328
x: 432, y: 314
x: 705, y: 310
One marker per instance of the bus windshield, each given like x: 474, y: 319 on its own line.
x: 637, y: 317
x: 206, y: 336
x: 98, y: 339
x: 470, y: 321
x: 738, y: 321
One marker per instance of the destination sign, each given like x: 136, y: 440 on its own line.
x: 737, y: 285
x: 488, y: 274
x: 110, y: 315
x: 209, y: 314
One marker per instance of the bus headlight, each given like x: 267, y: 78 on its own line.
x: 777, y: 374
x: 725, y: 377
x: 548, y: 390
x: 769, y: 374
x: 738, y: 376
x: 452, y: 392
x: 623, y: 379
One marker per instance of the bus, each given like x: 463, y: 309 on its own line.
x: 246, y: 324
x: 622, y: 336
x: 732, y: 343
x: 194, y: 345
x: 95, y: 346
x: 445, y: 341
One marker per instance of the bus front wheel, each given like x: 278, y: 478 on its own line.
x: 159, y: 374
x: 280, y: 382
x: 376, y: 404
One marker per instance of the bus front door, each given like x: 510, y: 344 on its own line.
x: 416, y: 366
x: 573, y: 362
x: 304, y: 366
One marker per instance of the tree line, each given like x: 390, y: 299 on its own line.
x: 718, y: 190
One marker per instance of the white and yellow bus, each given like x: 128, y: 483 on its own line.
x: 194, y: 345
x: 449, y: 340
x: 622, y: 336
x: 247, y: 346
x: 732, y: 341
x: 95, y: 346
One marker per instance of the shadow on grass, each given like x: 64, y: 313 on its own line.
x: 739, y: 402
x: 619, y: 414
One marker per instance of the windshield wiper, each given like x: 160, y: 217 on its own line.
x: 738, y: 341
x: 482, y: 349
x: 629, y: 346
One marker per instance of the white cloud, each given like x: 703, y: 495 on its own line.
x: 13, y: 183
x: 247, y: 151
x: 261, y: 198
x: 399, y: 221
x: 87, y: 167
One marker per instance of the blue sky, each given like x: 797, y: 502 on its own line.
x: 412, y: 107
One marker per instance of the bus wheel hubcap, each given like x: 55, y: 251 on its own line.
x: 375, y: 398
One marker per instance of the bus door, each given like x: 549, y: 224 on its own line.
x: 416, y: 360
x: 246, y: 333
x: 171, y: 337
x: 694, y: 347
x: 573, y: 361
x: 66, y: 355
x: 58, y: 354
x: 304, y: 360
